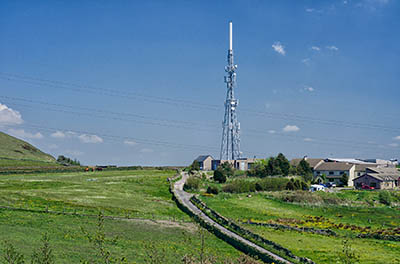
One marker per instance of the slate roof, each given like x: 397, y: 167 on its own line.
x: 334, y: 166
x: 202, y: 158
x: 363, y: 167
x: 381, y: 177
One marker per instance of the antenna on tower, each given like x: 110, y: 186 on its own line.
x: 230, y: 145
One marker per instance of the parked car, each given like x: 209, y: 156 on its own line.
x: 366, y: 187
x: 330, y: 184
x: 317, y: 187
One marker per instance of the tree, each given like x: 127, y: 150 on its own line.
x: 195, y: 165
x: 304, y: 170
x: 227, y: 169
x: 283, y: 164
x: 344, y: 179
x: 67, y: 161
x: 219, y: 176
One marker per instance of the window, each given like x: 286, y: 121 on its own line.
x: 342, y: 172
x: 373, y: 184
x: 331, y: 172
x: 331, y: 180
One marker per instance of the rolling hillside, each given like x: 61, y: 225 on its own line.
x: 16, y: 149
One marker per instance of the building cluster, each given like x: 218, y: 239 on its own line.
x: 374, y: 173
x: 207, y: 163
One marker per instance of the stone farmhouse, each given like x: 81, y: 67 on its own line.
x: 379, y: 178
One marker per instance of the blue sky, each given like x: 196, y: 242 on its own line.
x: 141, y: 82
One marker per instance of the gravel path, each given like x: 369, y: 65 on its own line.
x: 185, y: 198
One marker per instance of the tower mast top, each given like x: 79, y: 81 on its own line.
x: 230, y: 35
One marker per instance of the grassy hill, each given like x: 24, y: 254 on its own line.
x: 15, y: 149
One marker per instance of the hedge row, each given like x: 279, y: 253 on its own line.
x: 246, y: 233
x: 251, y: 251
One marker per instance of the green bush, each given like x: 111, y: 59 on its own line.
x: 212, y: 189
x: 240, y: 186
x: 219, y: 176
x: 385, y: 198
x: 192, y: 183
x: 290, y: 186
x: 272, y: 184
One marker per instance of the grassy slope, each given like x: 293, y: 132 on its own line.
x: 139, y: 193
x: 13, y: 148
x: 142, y: 193
x: 321, y: 249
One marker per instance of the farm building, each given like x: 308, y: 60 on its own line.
x: 243, y: 164
x: 205, y: 162
x: 379, y: 178
x: 335, y: 170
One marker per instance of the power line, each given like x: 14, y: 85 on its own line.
x: 253, y: 132
x: 187, y: 103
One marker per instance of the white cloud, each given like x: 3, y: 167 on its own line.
x: 334, y: 48
x: 58, y: 134
x: 397, y: 138
x: 84, y: 138
x: 306, y: 61
x: 309, y: 89
x: 9, y: 116
x: 130, y: 143
x: 291, y: 128
x: 310, y: 10
x: 271, y: 131
x: 308, y: 139
x: 21, y: 133
x: 278, y: 47
x: 315, y: 48
x: 74, y: 152
x: 146, y: 150
x: 394, y: 144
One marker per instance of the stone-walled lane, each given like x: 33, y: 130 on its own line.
x: 183, y: 198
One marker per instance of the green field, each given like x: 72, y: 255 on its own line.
x: 263, y: 208
x: 139, y: 194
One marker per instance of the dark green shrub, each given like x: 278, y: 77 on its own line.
x: 272, y: 184
x: 290, y: 186
x: 344, y: 180
x: 304, y: 186
x: 385, y: 198
x: 240, y: 186
x: 212, y: 189
x: 219, y: 176
x: 227, y: 169
x: 192, y: 183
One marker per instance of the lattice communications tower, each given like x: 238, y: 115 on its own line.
x: 230, y: 145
